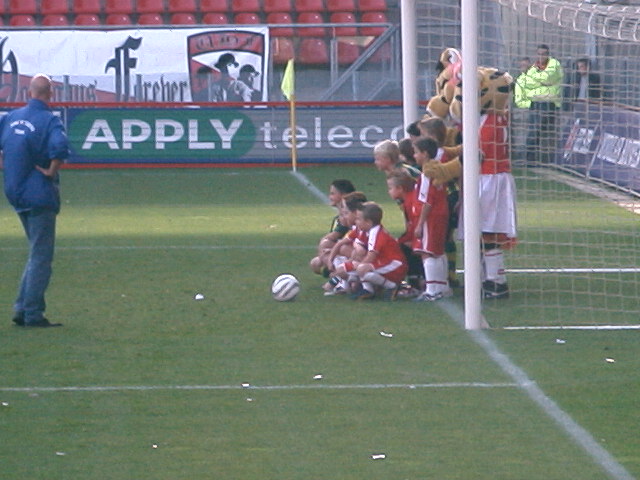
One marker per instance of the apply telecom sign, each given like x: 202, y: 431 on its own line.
x: 159, y: 135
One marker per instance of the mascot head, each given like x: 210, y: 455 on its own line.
x: 448, y: 68
x: 494, y: 91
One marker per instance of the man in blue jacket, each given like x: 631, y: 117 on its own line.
x: 34, y: 145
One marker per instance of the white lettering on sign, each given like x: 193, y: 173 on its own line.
x: 100, y: 132
x: 336, y: 137
x: 163, y: 131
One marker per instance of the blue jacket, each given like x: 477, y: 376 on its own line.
x: 30, y: 136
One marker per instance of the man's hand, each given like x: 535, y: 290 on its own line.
x: 50, y: 172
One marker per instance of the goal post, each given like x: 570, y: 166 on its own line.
x: 577, y: 258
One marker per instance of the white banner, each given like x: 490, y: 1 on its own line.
x: 148, y: 65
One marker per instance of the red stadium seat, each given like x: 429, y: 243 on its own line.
x: 23, y: 7
x: 219, y: 6
x: 182, y: 6
x: 348, y: 52
x: 309, y: 5
x: 183, y: 19
x: 372, y: 5
x: 150, y: 19
x: 118, y: 6
x: 55, y: 20
x: 149, y: 6
x: 280, y: 17
x: 2, y: 9
x: 49, y: 7
x: 248, y: 6
x: 344, y: 17
x: 341, y: 5
x: 246, y: 18
x: 22, y: 21
x: 311, y: 17
x: 118, y: 19
x: 313, y: 51
x: 270, y: 6
x: 282, y: 50
x: 85, y: 6
x: 373, y: 17
x: 215, y: 18
x: 86, y: 19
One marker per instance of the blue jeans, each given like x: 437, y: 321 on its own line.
x: 40, y: 227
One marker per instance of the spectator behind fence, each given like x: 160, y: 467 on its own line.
x: 545, y: 78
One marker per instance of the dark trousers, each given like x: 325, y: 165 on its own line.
x: 541, y: 135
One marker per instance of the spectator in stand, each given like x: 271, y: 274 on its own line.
x: 544, y: 79
x: 584, y: 84
x: 520, y: 112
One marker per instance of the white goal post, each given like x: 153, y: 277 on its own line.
x: 578, y: 254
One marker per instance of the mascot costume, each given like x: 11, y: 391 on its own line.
x: 497, y: 186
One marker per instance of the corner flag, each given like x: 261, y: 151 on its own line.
x: 288, y: 85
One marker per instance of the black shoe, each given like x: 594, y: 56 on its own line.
x: 44, y: 323
x: 18, y: 319
x: 495, y: 290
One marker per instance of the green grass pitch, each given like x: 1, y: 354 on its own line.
x: 145, y: 382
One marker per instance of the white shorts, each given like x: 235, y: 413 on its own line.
x: 497, y: 205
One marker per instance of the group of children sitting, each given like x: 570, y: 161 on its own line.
x: 361, y: 258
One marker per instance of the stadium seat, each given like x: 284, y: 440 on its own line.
x: 282, y: 50
x: 85, y: 6
x: 23, y: 7
x: 22, y: 21
x: 347, y: 52
x: 373, y: 17
x: 280, y: 17
x: 309, y: 6
x: 372, y: 5
x: 344, y: 17
x: 182, y: 6
x: 2, y: 9
x: 215, y: 18
x: 183, y: 19
x: 245, y: 6
x: 311, y: 17
x: 86, y: 19
x: 150, y: 19
x: 150, y: 6
x: 341, y: 5
x: 55, y: 20
x: 313, y: 51
x: 271, y: 6
x: 118, y: 19
x: 246, y: 18
x: 219, y: 6
x: 118, y: 6
x: 49, y: 7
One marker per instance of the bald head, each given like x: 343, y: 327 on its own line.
x: 40, y: 87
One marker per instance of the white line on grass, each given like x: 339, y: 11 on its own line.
x: 576, y: 327
x: 318, y: 386
x: 579, y: 435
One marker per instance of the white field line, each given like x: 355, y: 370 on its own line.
x: 317, y: 386
x: 577, y: 433
x: 576, y: 327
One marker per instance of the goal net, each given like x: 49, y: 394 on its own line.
x: 575, y: 158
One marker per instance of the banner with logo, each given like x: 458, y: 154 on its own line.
x: 133, y: 136
x: 603, y: 142
x: 148, y: 65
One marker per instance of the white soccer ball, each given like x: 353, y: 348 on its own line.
x: 285, y: 287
